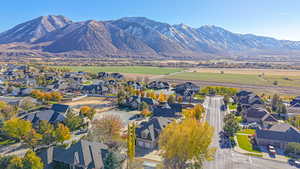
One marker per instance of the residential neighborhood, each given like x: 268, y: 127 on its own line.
x: 53, y: 118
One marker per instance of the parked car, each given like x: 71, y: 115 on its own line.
x: 272, y: 149
x: 294, y: 162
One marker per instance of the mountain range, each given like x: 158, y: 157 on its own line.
x: 135, y: 37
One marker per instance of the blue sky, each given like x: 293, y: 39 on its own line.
x: 276, y: 18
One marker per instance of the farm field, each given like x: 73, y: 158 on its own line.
x: 286, y: 80
x: 147, y: 70
x: 279, y: 72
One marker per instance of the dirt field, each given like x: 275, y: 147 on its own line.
x: 275, y: 72
x: 100, y: 104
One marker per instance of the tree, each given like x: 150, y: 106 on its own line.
x: 32, y: 161
x: 17, y: 128
x: 15, y: 163
x: 171, y: 99
x: 293, y: 148
x: 131, y: 142
x: 186, y: 144
x: 111, y: 161
x: 121, y: 98
x: 56, y: 96
x: 162, y: 97
x: 107, y: 129
x: 47, y: 131
x: 32, y: 139
x: 62, y: 133
x: 180, y: 99
x: 231, y: 125
x: 72, y: 121
x: 226, y: 99
x: 275, y: 102
x: 88, y: 112
x: 196, y: 112
x: 282, y: 109
x: 295, y: 121
x: 199, y: 111
x: 146, y: 112
x: 8, y: 111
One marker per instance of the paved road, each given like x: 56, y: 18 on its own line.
x: 227, y: 158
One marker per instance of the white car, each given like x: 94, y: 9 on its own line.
x: 272, y: 149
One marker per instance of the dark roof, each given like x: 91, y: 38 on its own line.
x: 157, y: 85
x: 186, y: 89
x: 269, y: 118
x: 60, y: 108
x: 281, y: 132
x: 47, y: 115
x: 256, y: 112
x: 135, y: 85
x: 139, y: 100
x: 166, y: 110
x: 83, y: 153
x: 295, y: 108
x: 243, y: 93
x: 295, y: 100
x: 151, y: 129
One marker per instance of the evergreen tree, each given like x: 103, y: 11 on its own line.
x: 111, y: 161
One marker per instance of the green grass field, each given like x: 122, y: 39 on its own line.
x: 125, y: 69
x: 244, y: 143
x: 250, y: 79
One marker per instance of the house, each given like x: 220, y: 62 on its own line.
x: 293, y: 110
x: 260, y: 116
x: 44, y: 115
x: 135, y: 85
x: 158, y: 85
x: 278, y: 135
x: 147, y: 133
x: 117, y: 76
x: 134, y: 102
x: 295, y: 101
x: 103, y: 75
x: 187, y: 89
x: 167, y: 110
x: 61, y: 108
x: 94, y: 89
x: 81, y: 155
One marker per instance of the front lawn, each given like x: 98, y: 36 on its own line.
x: 245, y: 144
x: 247, y: 131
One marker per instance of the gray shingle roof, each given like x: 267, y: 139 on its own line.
x: 280, y: 132
x: 151, y: 129
x: 83, y: 153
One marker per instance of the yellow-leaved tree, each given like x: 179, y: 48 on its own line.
x: 186, y: 144
x: 62, y: 133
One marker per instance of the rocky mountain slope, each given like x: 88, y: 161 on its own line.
x: 138, y: 36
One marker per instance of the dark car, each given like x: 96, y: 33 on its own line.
x: 294, y: 162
